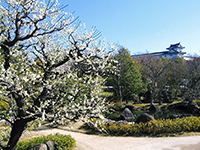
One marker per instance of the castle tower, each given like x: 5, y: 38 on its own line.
x: 175, y: 48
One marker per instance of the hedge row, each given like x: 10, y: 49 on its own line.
x: 62, y: 142
x: 163, y: 126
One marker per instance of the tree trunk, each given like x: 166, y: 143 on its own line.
x: 17, y: 130
x: 120, y: 94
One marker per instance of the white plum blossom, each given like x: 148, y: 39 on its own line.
x: 50, y: 68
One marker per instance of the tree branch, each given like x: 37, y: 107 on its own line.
x: 2, y: 118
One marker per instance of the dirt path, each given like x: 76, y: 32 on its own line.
x: 96, y: 142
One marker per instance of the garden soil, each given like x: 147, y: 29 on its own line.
x: 97, y: 142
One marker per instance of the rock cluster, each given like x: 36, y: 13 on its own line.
x: 50, y: 145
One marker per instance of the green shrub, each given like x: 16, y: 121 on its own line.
x: 113, y: 115
x: 156, y: 127
x: 118, y: 106
x: 62, y: 142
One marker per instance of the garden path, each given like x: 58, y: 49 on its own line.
x: 98, y: 142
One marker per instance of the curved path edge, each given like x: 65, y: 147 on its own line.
x: 97, y: 142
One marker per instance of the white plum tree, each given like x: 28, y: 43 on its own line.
x: 50, y: 69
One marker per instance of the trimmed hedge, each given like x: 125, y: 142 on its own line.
x: 156, y: 127
x: 62, y: 142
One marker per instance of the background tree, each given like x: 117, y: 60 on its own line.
x: 127, y: 83
x: 192, y: 77
x: 37, y: 40
x: 176, y: 78
x: 155, y: 70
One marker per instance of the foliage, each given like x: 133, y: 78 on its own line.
x: 127, y: 83
x: 197, y: 102
x: 175, y: 78
x: 192, y: 78
x: 153, y: 128
x: 62, y: 142
x: 113, y: 115
x: 118, y: 106
x: 4, y: 105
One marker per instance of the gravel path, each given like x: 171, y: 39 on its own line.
x: 96, y: 142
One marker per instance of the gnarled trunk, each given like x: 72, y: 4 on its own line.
x: 17, y: 130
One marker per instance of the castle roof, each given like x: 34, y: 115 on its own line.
x: 175, y: 46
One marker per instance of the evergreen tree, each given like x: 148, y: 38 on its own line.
x: 127, y: 83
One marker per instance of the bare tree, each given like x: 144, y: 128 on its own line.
x: 192, y: 76
x: 156, y: 70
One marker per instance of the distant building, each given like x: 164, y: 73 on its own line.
x: 175, y: 50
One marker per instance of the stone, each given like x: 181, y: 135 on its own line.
x: 144, y: 118
x: 185, y: 107
x: 127, y: 115
x: 43, y: 147
x: 38, y: 147
x: 121, y: 122
x: 108, y: 122
x: 153, y: 109
x: 50, y: 145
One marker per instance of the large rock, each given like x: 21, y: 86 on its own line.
x: 153, y: 109
x: 127, y: 115
x: 185, y: 107
x: 144, y: 118
x: 178, y: 106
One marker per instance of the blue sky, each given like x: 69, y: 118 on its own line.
x: 142, y: 25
